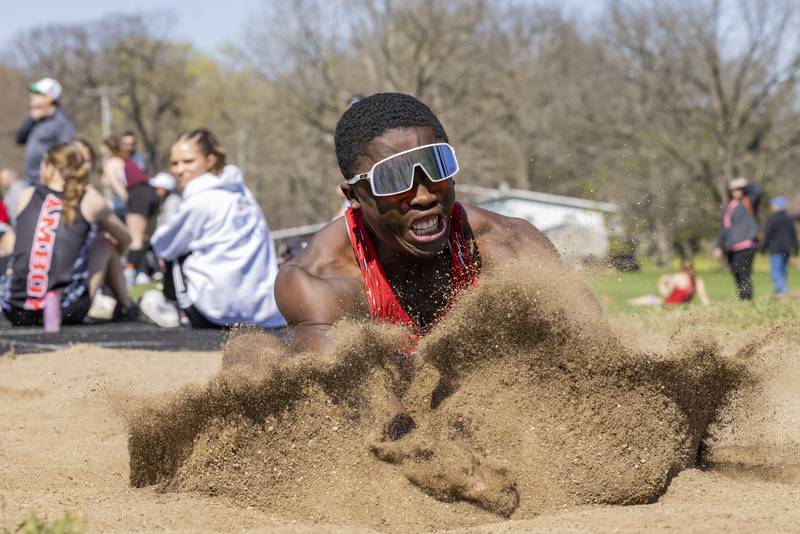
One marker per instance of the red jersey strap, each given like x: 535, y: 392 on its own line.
x: 682, y: 295
x: 383, y: 303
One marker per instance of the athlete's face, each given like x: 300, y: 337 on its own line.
x: 415, y: 223
x: 188, y: 162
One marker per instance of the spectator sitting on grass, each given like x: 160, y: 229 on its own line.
x: 222, y: 254
x: 677, y: 288
x: 58, y: 246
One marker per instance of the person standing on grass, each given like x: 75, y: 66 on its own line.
x: 46, y: 125
x: 780, y: 241
x: 738, y: 236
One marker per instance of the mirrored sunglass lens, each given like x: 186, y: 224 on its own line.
x: 396, y: 175
x: 439, y: 162
x: 392, y: 176
x: 448, y: 160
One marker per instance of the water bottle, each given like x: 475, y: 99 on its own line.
x: 130, y: 275
x: 52, y: 311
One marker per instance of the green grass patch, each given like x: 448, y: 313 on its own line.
x: 613, y: 289
x: 33, y: 524
x: 135, y: 292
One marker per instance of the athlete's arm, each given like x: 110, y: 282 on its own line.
x: 319, y: 287
x: 23, y: 200
x: 701, y: 292
x: 173, y: 239
x: 310, y: 306
x: 95, y: 209
x: 7, y: 240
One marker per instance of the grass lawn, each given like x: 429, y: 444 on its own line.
x: 135, y: 292
x: 613, y: 289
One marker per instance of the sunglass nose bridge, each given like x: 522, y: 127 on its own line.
x: 414, y: 173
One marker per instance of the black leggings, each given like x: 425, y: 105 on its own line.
x: 72, y: 314
x: 741, y: 264
x: 171, y: 289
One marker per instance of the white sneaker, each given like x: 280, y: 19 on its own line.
x: 155, y: 307
x: 102, y: 308
x: 141, y: 279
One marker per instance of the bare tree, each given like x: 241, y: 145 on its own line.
x: 151, y: 71
x: 654, y: 107
x: 131, y: 53
x: 707, y: 93
x: 13, y: 108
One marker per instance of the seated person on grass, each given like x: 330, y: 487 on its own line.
x: 67, y: 239
x: 677, y: 288
x: 221, y: 256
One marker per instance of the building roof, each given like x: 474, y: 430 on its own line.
x: 479, y: 195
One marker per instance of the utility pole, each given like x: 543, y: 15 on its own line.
x: 104, y: 93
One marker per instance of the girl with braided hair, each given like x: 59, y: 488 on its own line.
x: 67, y: 239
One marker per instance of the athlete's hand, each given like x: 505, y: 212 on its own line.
x: 717, y: 253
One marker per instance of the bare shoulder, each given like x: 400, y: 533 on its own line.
x: 323, y: 283
x: 93, y: 205
x: 24, y: 199
x: 113, y: 163
x: 501, y: 238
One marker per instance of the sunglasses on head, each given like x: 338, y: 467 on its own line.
x: 395, y: 174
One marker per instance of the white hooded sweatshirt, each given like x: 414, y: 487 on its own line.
x: 231, y: 268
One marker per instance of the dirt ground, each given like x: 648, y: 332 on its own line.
x: 528, y: 412
x: 63, y: 446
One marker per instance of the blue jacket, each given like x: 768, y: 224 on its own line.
x: 780, y: 236
x: 39, y: 136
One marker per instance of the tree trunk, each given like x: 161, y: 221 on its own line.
x: 662, y: 234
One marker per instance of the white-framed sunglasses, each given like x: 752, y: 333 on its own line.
x: 395, y: 174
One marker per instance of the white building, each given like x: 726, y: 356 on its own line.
x: 579, y: 228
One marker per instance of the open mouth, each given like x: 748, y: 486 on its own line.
x: 428, y: 228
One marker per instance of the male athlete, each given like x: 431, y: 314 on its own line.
x: 405, y: 247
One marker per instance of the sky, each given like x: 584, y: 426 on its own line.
x: 206, y: 24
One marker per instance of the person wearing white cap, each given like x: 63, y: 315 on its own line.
x: 169, y: 199
x: 46, y: 126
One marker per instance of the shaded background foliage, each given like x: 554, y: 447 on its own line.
x: 650, y: 104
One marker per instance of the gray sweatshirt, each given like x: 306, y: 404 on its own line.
x: 39, y: 136
x: 739, y: 230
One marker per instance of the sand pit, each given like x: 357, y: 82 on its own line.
x: 548, y: 423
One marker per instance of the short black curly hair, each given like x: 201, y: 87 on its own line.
x: 370, y: 117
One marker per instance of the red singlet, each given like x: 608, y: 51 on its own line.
x: 383, y: 303
x: 681, y: 295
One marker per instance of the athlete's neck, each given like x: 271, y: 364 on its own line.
x: 56, y: 184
